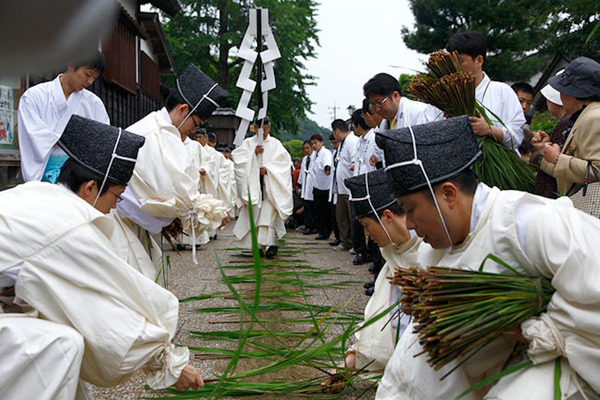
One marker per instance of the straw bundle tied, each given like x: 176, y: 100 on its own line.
x: 448, y: 88
x: 458, y: 312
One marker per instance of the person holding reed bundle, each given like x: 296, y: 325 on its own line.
x: 164, y: 185
x: 263, y: 178
x: 74, y: 289
x: 578, y: 162
x: 461, y: 222
x: 498, y: 97
x: 384, y: 222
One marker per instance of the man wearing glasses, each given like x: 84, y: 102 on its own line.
x: 385, y: 98
x: 165, y: 182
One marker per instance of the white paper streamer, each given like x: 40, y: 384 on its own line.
x: 244, y: 81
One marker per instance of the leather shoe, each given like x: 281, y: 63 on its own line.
x: 271, y: 252
x: 372, y: 268
x: 361, y: 259
x: 336, y: 242
x: 370, y: 291
x: 309, y: 232
x: 321, y: 237
x: 369, y: 285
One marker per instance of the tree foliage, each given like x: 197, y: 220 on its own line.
x: 208, y: 33
x: 520, y: 33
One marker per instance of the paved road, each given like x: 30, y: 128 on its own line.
x: 187, y: 279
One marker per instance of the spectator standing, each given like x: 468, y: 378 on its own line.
x: 498, y: 97
x: 343, y: 161
x: 306, y: 188
x: 320, y: 170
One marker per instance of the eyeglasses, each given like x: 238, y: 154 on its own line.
x: 378, y: 103
x: 119, y: 198
x: 197, y: 124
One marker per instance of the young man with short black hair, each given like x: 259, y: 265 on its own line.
x: 506, y: 112
x: 44, y: 111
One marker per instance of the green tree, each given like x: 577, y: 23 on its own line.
x: 518, y: 34
x: 209, y: 32
x: 293, y: 147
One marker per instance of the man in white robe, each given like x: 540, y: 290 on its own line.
x: 44, y: 111
x: 164, y: 185
x: 305, y: 181
x: 505, y: 111
x: 384, y: 222
x: 534, y: 235
x: 264, y: 180
x: 66, y: 272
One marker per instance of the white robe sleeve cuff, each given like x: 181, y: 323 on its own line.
x: 546, y: 342
x: 165, y: 368
x: 207, y: 215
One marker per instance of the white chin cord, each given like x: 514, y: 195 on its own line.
x: 416, y: 161
x: 368, y: 198
x: 205, y: 97
x: 112, y: 158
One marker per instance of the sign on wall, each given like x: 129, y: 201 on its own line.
x: 7, y: 117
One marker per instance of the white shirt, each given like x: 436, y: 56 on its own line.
x: 344, y: 158
x: 364, y: 149
x: 499, y: 98
x: 305, y: 179
x: 410, y: 113
x: 43, y: 114
x: 322, y: 159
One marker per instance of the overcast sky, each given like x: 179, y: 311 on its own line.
x: 358, y: 40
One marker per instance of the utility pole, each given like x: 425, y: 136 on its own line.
x: 334, y: 108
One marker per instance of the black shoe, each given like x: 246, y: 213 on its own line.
x: 261, y: 252
x: 369, y: 285
x: 321, y: 237
x: 370, y: 291
x: 360, y: 259
x: 336, y: 242
x: 214, y: 237
x: 180, y: 247
x: 271, y: 252
x: 372, y: 268
x: 309, y: 231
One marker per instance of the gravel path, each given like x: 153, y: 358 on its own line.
x: 188, y: 280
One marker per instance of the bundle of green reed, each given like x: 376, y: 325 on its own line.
x: 458, y: 312
x: 448, y: 88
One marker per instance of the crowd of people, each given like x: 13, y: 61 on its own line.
x: 82, y: 301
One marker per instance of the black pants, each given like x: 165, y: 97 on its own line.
x: 358, y: 237
x: 322, y: 212
x: 334, y: 224
x: 308, y: 214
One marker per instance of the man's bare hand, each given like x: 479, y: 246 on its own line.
x: 480, y: 126
x: 202, y: 171
x: 539, y: 139
x: 373, y: 160
x: 224, y: 221
x: 351, y: 167
x: 189, y: 378
x: 263, y: 170
x: 259, y: 149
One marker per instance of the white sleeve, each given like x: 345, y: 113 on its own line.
x: 562, y: 244
x: 514, y: 119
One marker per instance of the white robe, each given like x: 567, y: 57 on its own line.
x: 376, y: 343
x: 40, y: 359
x: 164, y: 186
x: 70, y: 274
x: 559, y: 243
x: 277, y: 204
x: 43, y: 115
